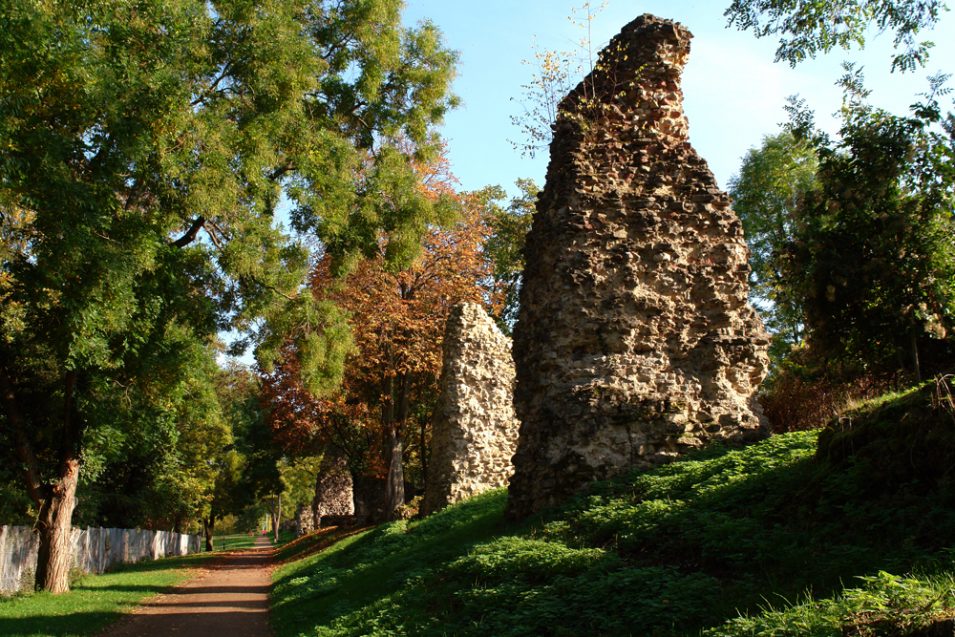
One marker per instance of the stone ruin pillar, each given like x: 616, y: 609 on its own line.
x: 334, y: 497
x: 475, y: 431
x: 635, y: 340
x: 304, y: 520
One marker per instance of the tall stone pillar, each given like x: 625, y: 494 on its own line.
x: 635, y: 340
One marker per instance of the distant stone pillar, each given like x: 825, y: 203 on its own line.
x: 475, y: 431
x: 304, y: 520
x: 635, y: 340
x: 334, y: 490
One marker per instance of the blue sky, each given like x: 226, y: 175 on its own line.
x: 734, y: 92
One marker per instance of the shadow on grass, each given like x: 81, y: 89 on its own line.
x: 94, y: 601
x: 365, y: 567
x: 50, y: 625
x: 666, y: 552
x: 315, y: 542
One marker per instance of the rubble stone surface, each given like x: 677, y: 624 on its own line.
x: 475, y: 431
x: 334, y: 489
x: 635, y: 341
x: 304, y: 520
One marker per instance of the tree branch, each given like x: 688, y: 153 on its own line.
x: 191, y: 233
x: 212, y: 234
x: 280, y: 171
x: 215, y: 84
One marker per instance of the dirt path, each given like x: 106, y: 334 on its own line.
x: 230, y: 597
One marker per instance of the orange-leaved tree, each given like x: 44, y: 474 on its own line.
x: 397, y: 319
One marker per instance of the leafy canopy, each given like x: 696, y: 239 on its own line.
x: 809, y: 27
x: 772, y: 184
x: 146, y: 148
x: 873, y: 255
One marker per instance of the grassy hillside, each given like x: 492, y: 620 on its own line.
x: 798, y: 540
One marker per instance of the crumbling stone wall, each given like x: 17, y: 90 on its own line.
x: 334, y: 489
x: 304, y: 520
x: 635, y: 341
x: 475, y: 431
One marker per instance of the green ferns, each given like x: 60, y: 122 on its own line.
x: 886, y: 604
x: 707, y: 544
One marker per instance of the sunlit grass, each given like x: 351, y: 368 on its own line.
x: 94, y: 602
x: 721, y: 534
x: 238, y: 541
x: 234, y: 541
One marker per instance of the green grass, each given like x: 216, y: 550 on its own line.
x: 285, y: 536
x: 726, y: 541
x: 94, y: 602
x: 312, y: 543
x: 233, y: 542
x: 884, y: 605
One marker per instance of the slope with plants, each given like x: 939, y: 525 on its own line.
x: 714, y: 542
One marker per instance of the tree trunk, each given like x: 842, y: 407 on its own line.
x: 398, y: 413
x: 916, y: 364
x: 276, y: 516
x: 54, y: 524
x: 55, y: 502
x: 423, y: 450
x: 395, y: 484
x: 209, y: 525
x: 317, y: 501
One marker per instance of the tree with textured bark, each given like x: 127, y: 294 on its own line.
x: 145, y: 147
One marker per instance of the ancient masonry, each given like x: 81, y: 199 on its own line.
x: 334, y: 496
x: 635, y: 341
x: 304, y: 520
x: 475, y: 431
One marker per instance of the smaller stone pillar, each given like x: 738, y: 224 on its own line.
x: 334, y: 491
x: 304, y: 520
x: 475, y: 431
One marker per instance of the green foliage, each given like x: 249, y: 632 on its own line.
x: 809, y: 27
x: 298, y: 474
x: 145, y: 148
x: 504, y: 246
x: 15, y: 506
x: 885, y: 604
x: 873, y: 257
x: 772, y: 183
x: 324, y: 341
x: 672, y: 551
x: 356, y: 586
